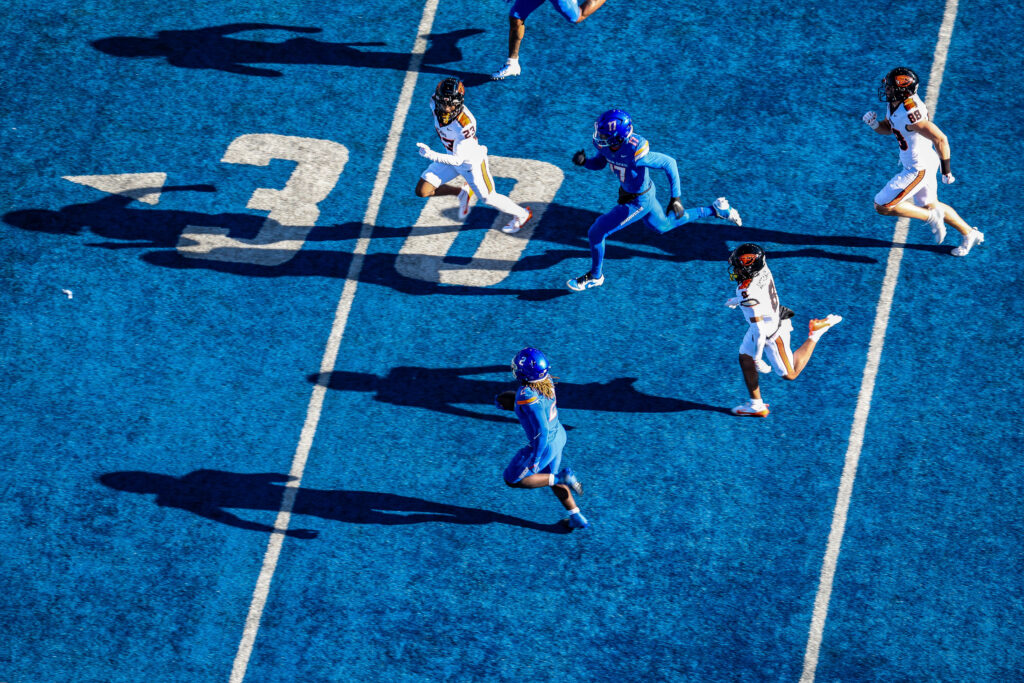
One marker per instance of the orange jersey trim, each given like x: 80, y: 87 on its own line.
x: 527, y: 401
x: 911, y: 186
x: 464, y: 119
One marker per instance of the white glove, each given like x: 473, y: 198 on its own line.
x: 425, y: 150
x: 733, y: 302
x: 948, y: 179
x: 871, y: 118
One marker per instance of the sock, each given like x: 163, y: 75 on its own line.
x: 551, y: 480
x: 756, y: 403
x: 513, y: 60
x: 574, y: 511
x: 701, y: 212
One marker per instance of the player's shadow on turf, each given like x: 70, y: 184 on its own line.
x: 447, y: 390
x: 560, y: 236
x: 212, y: 48
x: 210, y: 493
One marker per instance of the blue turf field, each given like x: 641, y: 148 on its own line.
x: 151, y: 420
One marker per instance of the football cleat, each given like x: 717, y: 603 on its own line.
x: 465, y: 197
x: 575, y: 521
x: 819, y: 326
x: 937, y: 222
x: 511, y: 68
x: 584, y: 282
x: 968, y: 241
x: 516, y: 224
x: 722, y: 210
x: 751, y: 408
x: 568, y: 477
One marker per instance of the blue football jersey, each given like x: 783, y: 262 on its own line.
x: 630, y: 162
x: 538, y: 415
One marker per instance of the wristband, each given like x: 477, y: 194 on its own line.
x: 944, y: 165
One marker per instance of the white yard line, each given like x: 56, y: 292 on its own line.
x: 270, y: 558
x: 867, y: 385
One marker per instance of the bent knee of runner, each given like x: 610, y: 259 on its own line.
x: 424, y: 189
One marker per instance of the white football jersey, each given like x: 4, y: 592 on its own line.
x: 758, y: 298
x: 916, y: 151
x: 459, y: 136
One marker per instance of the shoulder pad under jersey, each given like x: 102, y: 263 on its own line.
x: 638, y: 145
x: 526, y: 395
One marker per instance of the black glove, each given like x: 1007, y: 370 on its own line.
x: 675, y: 207
x: 579, y: 158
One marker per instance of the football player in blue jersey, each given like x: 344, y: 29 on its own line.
x: 629, y: 156
x: 574, y: 11
x: 537, y: 464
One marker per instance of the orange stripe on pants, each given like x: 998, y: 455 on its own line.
x: 785, y: 356
x: 911, y: 186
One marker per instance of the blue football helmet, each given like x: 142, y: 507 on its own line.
x: 612, y: 128
x: 530, y: 365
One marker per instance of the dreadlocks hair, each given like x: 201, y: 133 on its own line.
x: 545, y: 386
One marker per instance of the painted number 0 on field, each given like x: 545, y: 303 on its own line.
x: 293, y: 209
x: 422, y: 255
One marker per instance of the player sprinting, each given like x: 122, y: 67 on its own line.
x: 769, y: 328
x: 456, y: 126
x: 918, y: 137
x: 629, y: 156
x: 572, y: 10
x: 536, y: 465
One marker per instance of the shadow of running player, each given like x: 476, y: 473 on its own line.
x: 208, y: 493
x: 417, y: 387
x: 212, y: 48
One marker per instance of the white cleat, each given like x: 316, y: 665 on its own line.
x: 723, y: 210
x: 937, y: 222
x: 578, y: 284
x: 511, y: 68
x: 751, y: 408
x: 465, y: 197
x: 516, y: 224
x: 819, y: 326
x: 968, y: 241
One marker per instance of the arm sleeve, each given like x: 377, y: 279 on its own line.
x: 463, y: 151
x: 595, y: 163
x: 667, y: 164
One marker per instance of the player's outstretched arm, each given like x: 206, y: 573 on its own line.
x: 881, y: 127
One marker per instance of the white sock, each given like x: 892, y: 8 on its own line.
x: 574, y: 511
x: 513, y: 60
x: 551, y: 480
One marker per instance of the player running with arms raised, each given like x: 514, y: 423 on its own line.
x: 629, y: 155
x: 456, y: 126
x: 918, y: 137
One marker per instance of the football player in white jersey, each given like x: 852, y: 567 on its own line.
x: 456, y: 127
x: 918, y: 137
x: 769, y: 327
